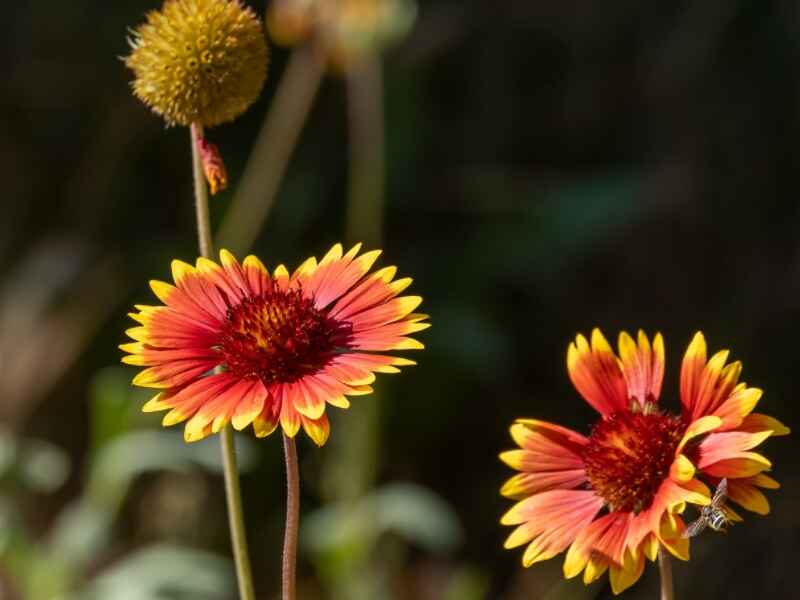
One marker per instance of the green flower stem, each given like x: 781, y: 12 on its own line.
x: 233, y: 492
x: 292, y: 519
x: 665, y: 570
x: 273, y: 148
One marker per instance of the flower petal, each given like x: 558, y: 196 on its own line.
x: 755, y: 422
x: 550, y: 521
x: 748, y: 496
x: 699, y: 427
x: 625, y: 575
x: 642, y: 366
x: 523, y: 485
x: 729, y: 444
x: 606, y: 536
x: 317, y: 429
x: 596, y: 374
x: 249, y: 406
x: 694, y: 361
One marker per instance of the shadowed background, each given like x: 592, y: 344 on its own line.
x: 551, y: 167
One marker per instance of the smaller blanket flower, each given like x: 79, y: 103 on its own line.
x: 615, y: 497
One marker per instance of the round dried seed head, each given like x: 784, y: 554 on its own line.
x: 199, y: 61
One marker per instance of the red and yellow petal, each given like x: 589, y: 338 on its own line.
x: 746, y: 494
x: 317, y: 429
x: 624, y: 575
x: 728, y: 444
x: 549, y: 458
x: 523, y: 485
x: 268, y: 419
x: 250, y: 405
x: 604, y: 537
x: 370, y: 292
x: 736, y: 408
x: 549, y: 522
x: 755, y: 423
x: 174, y: 374
x: 188, y: 400
x: 642, y: 366
x: 711, y: 387
x: 596, y: 374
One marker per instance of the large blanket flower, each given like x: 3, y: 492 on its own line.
x: 236, y: 344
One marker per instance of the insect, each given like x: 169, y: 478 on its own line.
x: 712, y: 515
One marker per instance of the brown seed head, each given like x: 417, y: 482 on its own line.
x: 199, y: 61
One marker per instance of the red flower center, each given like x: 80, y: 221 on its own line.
x: 279, y: 337
x: 629, y: 455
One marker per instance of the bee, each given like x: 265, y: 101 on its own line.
x: 712, y: 515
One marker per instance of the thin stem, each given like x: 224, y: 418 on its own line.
x: 665, y: 569
x: 365, y: 119
x: 233, y: 492
x: 204, y: 237
x: 274, y: 145
x: 292, y: 519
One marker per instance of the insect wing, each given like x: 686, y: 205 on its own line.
x: 720, y: 494
x: 695, y: 527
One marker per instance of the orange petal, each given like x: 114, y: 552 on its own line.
x: 625, y: 575
x: 746, y: 464
x: 748, y: 496
x: 250, y: 405
x: 729, y: 444
x: 290, y: 418
x: 738, y: 405
x: 642, y: 366
x: 596, y: 374
x: 605, y: 537
x: 699, y: 427
x: 550, y: 521
x: 317, y: 429
x: 755, y: 422
x: 694, y: 360
x: 523, y: 485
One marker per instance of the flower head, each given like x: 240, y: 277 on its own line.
x: 615, y: 497
x: 281, y: 346
x: 350, y: 28
x: 199, y: 61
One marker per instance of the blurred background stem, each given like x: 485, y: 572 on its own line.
x: 366, y: 143
x: 665, y: 571
x: 352, y: 463
x: 273, y: 148
x: 233, y: 492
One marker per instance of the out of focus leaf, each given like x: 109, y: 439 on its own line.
x: 112, y: 404
x: 129, y: 455
x: 84, y: 527
x: 43, y: 466
x: 8, y: 451
x: 164, y: 572
x: 81, y: 530
x: 413, y: 512
x: 467, y: 584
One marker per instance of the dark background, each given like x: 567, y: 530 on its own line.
x: 552, y: 166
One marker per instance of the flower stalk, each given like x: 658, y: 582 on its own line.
x: 233, y: 492
x: 665, y: 571
x: 292, y: 519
